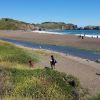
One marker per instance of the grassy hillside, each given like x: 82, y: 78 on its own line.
x: 43, y: 84
x: 51, y: 25
x: 18, y: 81
x: 11, y: 53
x: 10, y: 24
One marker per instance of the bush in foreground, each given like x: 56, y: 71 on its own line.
x: 39, y: 84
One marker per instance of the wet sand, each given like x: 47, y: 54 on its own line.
x: 55, y: 39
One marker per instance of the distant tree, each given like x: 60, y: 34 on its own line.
x: 6, y: 19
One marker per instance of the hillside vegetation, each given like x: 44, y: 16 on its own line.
x: 10, y: 24
x: 11, y: 53
x: 51, y: 25
x: 97, y: 97
x: 19, y: 81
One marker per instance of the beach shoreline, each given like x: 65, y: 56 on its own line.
x: 68, y: 50
x: 53, y: 39
x: 60, y: 33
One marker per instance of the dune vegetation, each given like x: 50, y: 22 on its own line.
x: 19, y: 81
x: 97, y: 97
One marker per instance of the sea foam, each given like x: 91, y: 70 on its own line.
x: 86, y: 35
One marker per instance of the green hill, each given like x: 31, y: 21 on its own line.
x: 51, y: 25
x: 11, y: 24
x: 18, y: 81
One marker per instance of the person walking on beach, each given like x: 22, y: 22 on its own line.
x: 82, y: 37
x: 52, y: 62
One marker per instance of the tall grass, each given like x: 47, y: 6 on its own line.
x: 97, y: 97
x: 41, y: 84
x: 11, y: 53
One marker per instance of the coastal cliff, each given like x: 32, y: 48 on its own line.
x: 11, y: 24
x: 56, y: 26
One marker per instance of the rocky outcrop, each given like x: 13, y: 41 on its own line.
x: 92, y: 27
x: 70, y: 27
x: 26, y: 27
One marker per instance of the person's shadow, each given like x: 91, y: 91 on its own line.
x: 98, y: 74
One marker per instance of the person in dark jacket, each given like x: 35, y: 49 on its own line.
x: 52, y: 62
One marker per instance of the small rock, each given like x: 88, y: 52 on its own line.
x: 98, y: 60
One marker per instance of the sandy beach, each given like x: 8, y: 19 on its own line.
x: 55, y: 39
x: 84, y: 70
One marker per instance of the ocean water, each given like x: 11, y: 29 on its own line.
x: 88, y: 33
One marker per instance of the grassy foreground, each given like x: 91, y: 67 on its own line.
x: 97, y: 97
x: 11, y: 53
x: 18, y: 81
x: 42, y: 84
